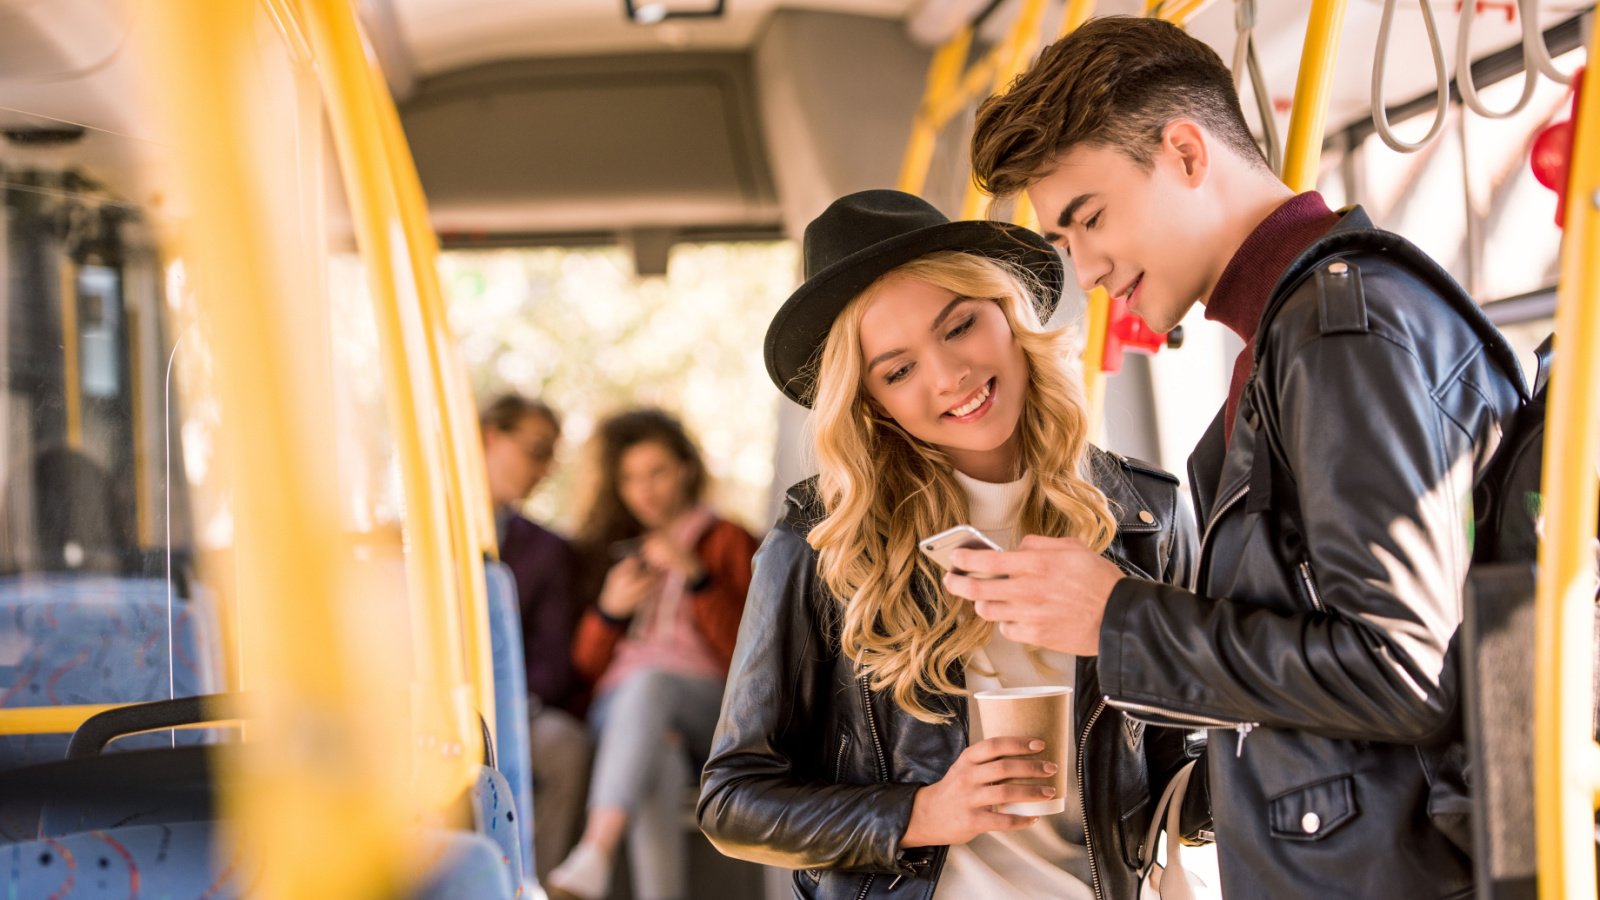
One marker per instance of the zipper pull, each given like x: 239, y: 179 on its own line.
x: 896, y: 880
x: 1244, y: 729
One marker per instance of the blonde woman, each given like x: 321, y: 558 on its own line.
x: 845, y: 749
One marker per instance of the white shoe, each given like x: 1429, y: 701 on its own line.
x: 584, y: 875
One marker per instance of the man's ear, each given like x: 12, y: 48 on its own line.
x: 1189, y: 145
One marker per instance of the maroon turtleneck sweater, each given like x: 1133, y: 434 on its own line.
x: 1242, y: 292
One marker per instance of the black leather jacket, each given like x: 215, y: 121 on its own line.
x: 1329, y: 586
x: 812, y: 770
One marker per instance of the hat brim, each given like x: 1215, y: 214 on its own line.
x: 801, y: 325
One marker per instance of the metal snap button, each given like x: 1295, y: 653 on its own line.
x: 1145, y: 517
x: 1310, y: 822
x: 1338, y: 268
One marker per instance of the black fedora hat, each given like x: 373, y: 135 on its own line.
x: 860, y: 237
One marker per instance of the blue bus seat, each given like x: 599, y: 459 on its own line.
x: 178, y: 860
x: 169, y: 860
x: 511, y: 698
x: 462, y: 864
x: 87, y: 639
x: 494, y: 816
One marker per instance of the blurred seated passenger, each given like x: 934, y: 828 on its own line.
x: 519, y: 443
x: 64, y: 513
x: 657, y: 645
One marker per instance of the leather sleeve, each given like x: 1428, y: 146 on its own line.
x: 762, y: 797
x: 1384, y: 480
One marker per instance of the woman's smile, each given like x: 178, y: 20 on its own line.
x: 975, y: 406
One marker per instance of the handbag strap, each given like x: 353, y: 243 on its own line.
x: 1169, y: 810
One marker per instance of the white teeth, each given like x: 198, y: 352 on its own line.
x: 973, y: 404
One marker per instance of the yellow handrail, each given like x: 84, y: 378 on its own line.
x: 1178, y: 12
x: 468, y: 501
x: 1018, y: 49
x: 50, y: 719
x: 943, y: 74
x: 1566, y: 769
x: 447, y: 709
x: 1308, y: 118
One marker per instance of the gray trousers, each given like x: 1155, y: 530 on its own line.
x: 648, y: 730
x: 562, y: 752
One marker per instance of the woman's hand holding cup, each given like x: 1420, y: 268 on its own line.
x: 961, y: 805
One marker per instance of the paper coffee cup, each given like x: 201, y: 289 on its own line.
x: 1044, y: 713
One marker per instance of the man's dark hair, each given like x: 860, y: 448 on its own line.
x: 507, y: 412
x: 1114, y: 82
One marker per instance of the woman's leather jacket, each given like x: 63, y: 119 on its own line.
x: 812, y: 770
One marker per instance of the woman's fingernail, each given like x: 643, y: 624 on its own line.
x: 1048, y: 791
x: 1050, y: 768
x: 1036, y: 746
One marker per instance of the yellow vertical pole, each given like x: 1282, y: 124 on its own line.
x: 1566, y: 766
x: 320, y: 798
x: 1076, y: 13
x: 71, y: 366
x: 468, y: 505
x: 1308, y: 119
x: 414, y: 407
x: 944, y: 73
x: 1096, y: 320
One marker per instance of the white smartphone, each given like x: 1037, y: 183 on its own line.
x: 939, y: 546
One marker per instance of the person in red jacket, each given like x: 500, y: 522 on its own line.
x: 656, y: 646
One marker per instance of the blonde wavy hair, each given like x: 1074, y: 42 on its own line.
x: 883, y: 490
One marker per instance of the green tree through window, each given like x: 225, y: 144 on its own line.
x: 577, y: 328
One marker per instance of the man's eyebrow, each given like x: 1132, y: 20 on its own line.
x: 937, y: 321
x: 1065, y: 219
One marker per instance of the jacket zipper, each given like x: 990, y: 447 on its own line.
x: 1310, y: 584
x: 1083, y: 800
x: 1205, y: 536
x: 1147, y: 713
x: 872, y: 729
x: 883, y: 766
x: 838, y: 763
x: 1155, y: 715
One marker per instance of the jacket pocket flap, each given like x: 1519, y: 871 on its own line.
x: 1313, y: 812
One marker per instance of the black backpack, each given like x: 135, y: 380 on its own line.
x: 1507, y: 500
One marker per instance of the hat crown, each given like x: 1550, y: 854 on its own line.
x: 861, y: 220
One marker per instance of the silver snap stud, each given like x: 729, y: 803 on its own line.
x: 1145, y: 517
x: 1338, y: 268
x: 1310, y: 822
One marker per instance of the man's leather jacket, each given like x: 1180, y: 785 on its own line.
x: 812, y: 770
x: 1333, y: 557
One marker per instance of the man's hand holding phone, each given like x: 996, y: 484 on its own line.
x: 1049, y: 592
x: 943, y: 545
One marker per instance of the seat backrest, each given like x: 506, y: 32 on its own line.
x: 89, y: 639
x: 463, y: 864
x: 495, y: 817
x: 170, y: 860
x: 511, y: 698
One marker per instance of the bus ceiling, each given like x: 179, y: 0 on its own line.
x: 571, y: 122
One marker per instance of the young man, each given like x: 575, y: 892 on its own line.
x: 519, y: 443
x: 1334, y: 487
